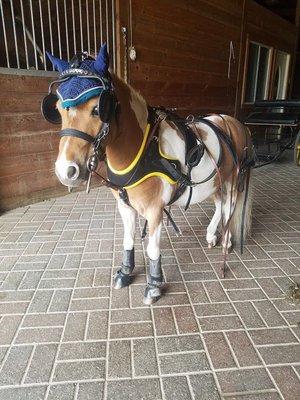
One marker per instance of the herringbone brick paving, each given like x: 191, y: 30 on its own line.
x: 66, y: 334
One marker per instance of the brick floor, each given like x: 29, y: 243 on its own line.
x: 65, y: 334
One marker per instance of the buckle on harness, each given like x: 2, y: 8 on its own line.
x: 124, y: 196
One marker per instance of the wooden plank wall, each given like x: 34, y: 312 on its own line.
x: 182, y: 61
x: 28, y: 144
x: 183, y: 52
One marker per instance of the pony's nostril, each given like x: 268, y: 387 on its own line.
x: 72, y: 172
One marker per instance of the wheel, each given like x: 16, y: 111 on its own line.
x: 297, y: 150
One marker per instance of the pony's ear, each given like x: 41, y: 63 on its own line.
x: 102, y: 61
x: 59, y: 65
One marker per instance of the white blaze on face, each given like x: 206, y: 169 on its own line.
x: 72, y: 112
x: 61, y: 164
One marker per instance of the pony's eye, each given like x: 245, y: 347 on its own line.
x: 95, y: 111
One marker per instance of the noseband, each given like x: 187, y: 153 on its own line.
x: 94, y: 141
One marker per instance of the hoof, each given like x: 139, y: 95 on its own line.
x: 212, y: 243
x: 122, y: 280
x: 148, y: 301
x: 227, y: 250
x: 152, y: 295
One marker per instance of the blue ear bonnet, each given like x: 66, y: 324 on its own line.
x: 77, y: 90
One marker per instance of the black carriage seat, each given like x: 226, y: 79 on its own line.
x: 272, y: 118
x: 275, y: 112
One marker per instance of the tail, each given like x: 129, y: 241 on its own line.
x: 240, y: 224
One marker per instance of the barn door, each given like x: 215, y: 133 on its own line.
x: 28, y: 144
x: 29, y: 28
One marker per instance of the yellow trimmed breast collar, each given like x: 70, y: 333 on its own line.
x: 150, y: 161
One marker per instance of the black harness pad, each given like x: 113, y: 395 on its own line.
x: 150, y: 161
x: 49, y: 110
x: 107, y: 105
x: 194, y: 150
x: 193, y: 146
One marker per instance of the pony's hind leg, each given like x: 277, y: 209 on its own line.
x: 123, y: 276
x: 211, y: 233
x: 155, y: 276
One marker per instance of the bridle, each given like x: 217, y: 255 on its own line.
x: 107, y: 105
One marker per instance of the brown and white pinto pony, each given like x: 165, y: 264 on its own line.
x: 151, y: 196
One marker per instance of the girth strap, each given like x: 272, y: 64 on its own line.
x: 78, y: 134
x: 223, y: 137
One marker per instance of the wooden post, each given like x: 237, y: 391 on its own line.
x: 122, y: 21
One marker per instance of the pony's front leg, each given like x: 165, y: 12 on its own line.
x: 123, y: 276
x: 155, y: 276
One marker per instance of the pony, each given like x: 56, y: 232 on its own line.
x: 112, y: 121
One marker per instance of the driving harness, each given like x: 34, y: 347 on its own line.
x: 150, y: 161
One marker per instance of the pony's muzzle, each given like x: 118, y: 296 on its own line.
x: 68, y: 173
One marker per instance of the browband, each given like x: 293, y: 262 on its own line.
x: 77, y: 71
x: 81, y: 73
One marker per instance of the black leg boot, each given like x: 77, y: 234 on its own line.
x: 123, y: 276
x: 155, y: 281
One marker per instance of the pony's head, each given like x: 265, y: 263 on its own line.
x: 84, y: 104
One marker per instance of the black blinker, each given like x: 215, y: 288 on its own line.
x: 107, y: 106
x: 49, y: 110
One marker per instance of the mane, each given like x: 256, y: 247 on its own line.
x: 137, y: 102
x: 134, y: 93
x: 137, y: 95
